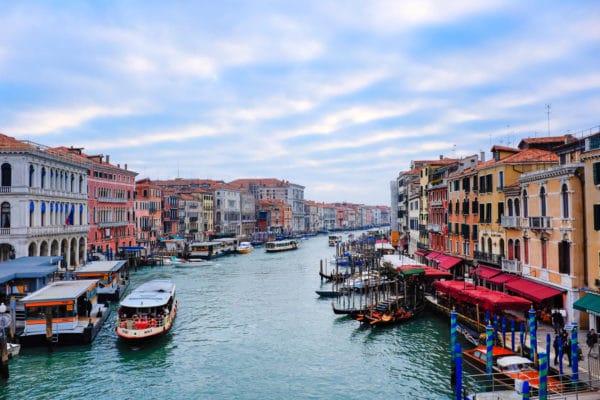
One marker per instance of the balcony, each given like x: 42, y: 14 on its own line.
x: 112, y: 224
x: 434, y: 228
x: 495, y: 259
x: 540, y: 222
x: 513, y: 266
x: 436, y: 203
x: 107, y: 199
x: 510, y: 222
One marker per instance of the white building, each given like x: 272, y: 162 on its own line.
x: 43, y: 200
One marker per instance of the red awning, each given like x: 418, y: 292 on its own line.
x: 449, y: 262
x: 488, y: 299
x: 420, y: 252
x: 432, y: 255
x: 532, y: 290
x: 486, y: 272
x: 501, y: 279
x: 430, y: 272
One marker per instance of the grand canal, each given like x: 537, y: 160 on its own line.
x: 249, y: 327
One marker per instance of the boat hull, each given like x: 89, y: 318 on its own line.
x: 144, y: 331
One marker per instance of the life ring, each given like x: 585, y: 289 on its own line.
x: 152, y: 323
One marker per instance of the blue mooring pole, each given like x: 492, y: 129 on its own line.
x: 458, y: 358
x: 532, y: 335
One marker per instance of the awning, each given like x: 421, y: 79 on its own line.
x: 501, y: 279
x: 486, y: 272
x: 449, y: 262
x: 589, y: 303
x: 432, y: 255
x: 531, y: 290
x: 420, y: 252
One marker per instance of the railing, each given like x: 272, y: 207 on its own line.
x: 540, y: 222
x: 513, y: 266
x: 495, y: 259
x: 436, y: 203
x: 510, y: 221
x: 108, y: 224
x: 4, y: 231
x: 434, y: 227
x: 51, y: 230
x: 108, y: 199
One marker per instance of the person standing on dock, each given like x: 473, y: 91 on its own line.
x: 592, y: 339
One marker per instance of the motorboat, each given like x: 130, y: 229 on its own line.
x: 245, y: 248
x: 181, y: 262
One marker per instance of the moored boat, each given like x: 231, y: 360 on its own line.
x: 113, y: 278
x: 281, y: 245
x: 148, y: 311
x: 63, y: 312
x: 245, y: 248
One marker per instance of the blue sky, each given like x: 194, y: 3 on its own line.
x: 338, y: 96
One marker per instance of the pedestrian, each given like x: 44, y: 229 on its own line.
x: 567, y: 346
x: 592, y: 339
x: 557, y: 321
x: 556, y: 345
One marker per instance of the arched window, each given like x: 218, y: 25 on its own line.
x: 501, y: 252
x: 43, y: 178
x: 511, y: 249
x: 80, y: 188
x: 564, y: 194
x: 517, y: 252
x: 525, y: 207
x: 6, y: 174
x: 489, y: 245
x: 543, y: 201
x: 457, y: 209
x: 5, y: 215
x: 72, y: 188
x: 31, y: 215
x: 509, y: 205
x: 31, y: 175
x: 517, y: 207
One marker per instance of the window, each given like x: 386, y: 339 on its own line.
x: 500, y: 180
x: 517, y: 208
x: 457, y: 209
x: 31, y: 174
x: 543, y: 201
x: 475, y: 206
x: 6, y: 174
x: 597, y: 217
x: 482, y: 184
x: 488, y: 213
x: 509, y: 205
x: 500, y: 211
x: 564, y: 257
x: 564, y: 193
x: 489, y: 188
x: 544, y: 243
x: 525, y: 207
x: 596, y: 171
x: 43, y: 176
x: 5, y: 215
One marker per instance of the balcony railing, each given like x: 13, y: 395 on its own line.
x: 510, y: 222
x: 108, y: 199
x: 434, y: 227
x: 112, y: 224
x: 540, y: 222
x: 495, y: 259
x: 513, y: 266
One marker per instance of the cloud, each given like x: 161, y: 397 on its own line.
x: 50, y: 121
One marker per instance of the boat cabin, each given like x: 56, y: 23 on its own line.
x: 113, y: 277
x: 334, y: 239
x: 228, y: 245
x: 205, y: 250
x: 281, y: 245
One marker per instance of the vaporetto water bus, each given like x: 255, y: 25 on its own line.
x: 113, y: 276
x: 148, y: 311
x: 281, y: 245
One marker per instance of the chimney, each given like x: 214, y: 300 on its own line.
x: 107, y: 159
x: 125, y: 165
x: 441, y: 156
x: 482, y: 156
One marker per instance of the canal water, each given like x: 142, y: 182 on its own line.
x: 249, y: 327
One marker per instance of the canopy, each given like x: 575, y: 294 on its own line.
x: 420, y: 252
x: 432, y: 255
x: 488, y: 299
x: 531, y: 290
x: 589, y: 303
x: 430, y: 272
x: 486, y: 272
x: 449, y: 262
x: 501, y: 279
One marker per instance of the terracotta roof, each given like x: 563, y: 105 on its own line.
x: 531, y: 156
x: 504, y: 148
x: 263, y: 182
x: 10, y: 143
x: 547, y: 139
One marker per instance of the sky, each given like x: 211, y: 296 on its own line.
x: 337, y: 96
